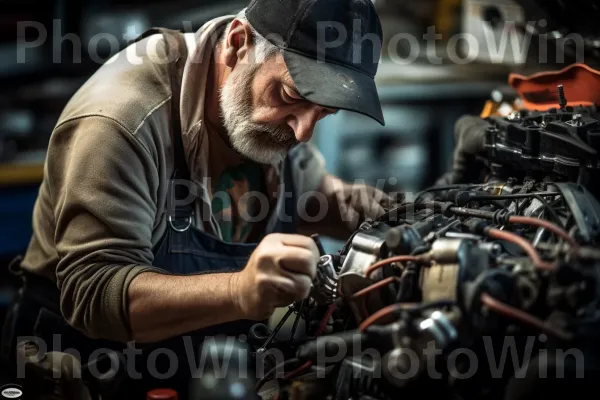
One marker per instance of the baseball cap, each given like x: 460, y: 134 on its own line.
x: 331, y: 49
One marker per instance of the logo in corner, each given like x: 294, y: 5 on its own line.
x: 11, y: 391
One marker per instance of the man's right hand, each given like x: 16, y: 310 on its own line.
x: 279, y: 272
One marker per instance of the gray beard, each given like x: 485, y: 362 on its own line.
x: 261, y: 143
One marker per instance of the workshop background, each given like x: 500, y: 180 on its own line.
x: 49, y: 48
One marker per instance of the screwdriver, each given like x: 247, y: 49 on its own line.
x: 315, y: 237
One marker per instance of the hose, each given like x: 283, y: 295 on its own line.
x: 522, y: 243
x: 391, y: 260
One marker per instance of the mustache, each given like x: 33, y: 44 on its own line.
x: 280, y: 134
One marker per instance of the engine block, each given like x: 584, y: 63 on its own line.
x: 424, y: 299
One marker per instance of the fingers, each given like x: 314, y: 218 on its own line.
x: 299, y: 241
x: 351, y: 217
x: 287, y: 289
x: 298, y: 261
x: 302, y: 285
x: 279, y: 283
x: 295, y: 258
x: 375, y: 212
x: 372, y: 202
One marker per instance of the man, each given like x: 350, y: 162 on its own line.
x: 144, y: 227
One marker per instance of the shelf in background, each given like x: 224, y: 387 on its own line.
x: 19, y: 175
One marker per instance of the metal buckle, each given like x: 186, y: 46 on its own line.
x: 189, y: 223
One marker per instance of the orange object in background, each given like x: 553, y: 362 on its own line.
x: 539, y: 91
x: 162, y: 394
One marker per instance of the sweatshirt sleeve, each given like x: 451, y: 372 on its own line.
x: 308, y: 167
x: 104, y: 183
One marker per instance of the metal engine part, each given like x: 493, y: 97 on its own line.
x: 466, y: 267
x: 413, y: 343
x: 562, y: 144
x: 325, y: 285
x: 367, y: 247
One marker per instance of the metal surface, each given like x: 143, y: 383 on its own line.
x: 324, y: 287
x: 440, y: 282
x: 365, y: 250
x: 445, y: 251
x: 461, y: 235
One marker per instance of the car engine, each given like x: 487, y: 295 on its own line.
x: 469, y: 291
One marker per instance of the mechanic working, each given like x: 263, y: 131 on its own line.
x: 120, y: 253
x: 133, y: 260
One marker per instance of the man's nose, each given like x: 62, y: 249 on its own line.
x: 303, y: 123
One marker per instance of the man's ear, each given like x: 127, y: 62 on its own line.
x: 239, y: 42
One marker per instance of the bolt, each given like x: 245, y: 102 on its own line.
x: 514, y: 116
x: 576, y: 120
x: 562, y: 100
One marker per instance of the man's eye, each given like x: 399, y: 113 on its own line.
x: 287, y: 98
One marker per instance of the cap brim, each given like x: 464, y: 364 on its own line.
x: 334, y: 86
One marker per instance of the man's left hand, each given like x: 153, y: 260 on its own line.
x: 349, y: 205
x: 359, y: 202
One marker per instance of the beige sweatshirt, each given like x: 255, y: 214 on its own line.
x: 101, y: 206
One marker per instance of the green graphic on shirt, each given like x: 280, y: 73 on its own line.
x: 230, y: 206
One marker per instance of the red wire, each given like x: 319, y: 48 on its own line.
x: 369, y: 289
x: 379, y: 315
x: 298, y: 370
x: 522, y: 243
x: 522, y: 316
x: 373, y: 287
x: 319, y: 332
x: 544, y: 224
x: 390, y: 260
x: 325, y: 319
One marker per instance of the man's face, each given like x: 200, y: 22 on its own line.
x: 263, y: 113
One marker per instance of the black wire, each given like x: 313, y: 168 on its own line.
x: 420, y: 250
x: 404, y: 206
x: 442, y: 188
x: 348, y: 243
x: 516, y: 196
x: 296, y: 321
x: 550, y: 210
x: 518, y: 206
x: 537, y: 196
x: 273, y: 370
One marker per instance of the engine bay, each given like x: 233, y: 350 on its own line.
x: 435, y: 296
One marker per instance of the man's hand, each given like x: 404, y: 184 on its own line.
x: 279, y: 272
x: 359, y: 202
x: 347, y: 206
x: 469, y: 138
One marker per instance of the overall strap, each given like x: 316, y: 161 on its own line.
x: 179, y: 203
